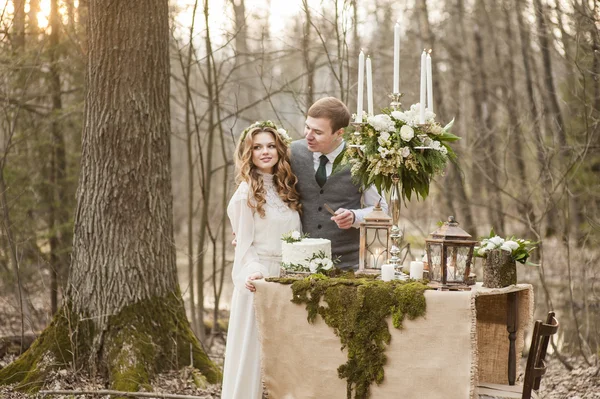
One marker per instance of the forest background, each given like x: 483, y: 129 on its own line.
x: 521, y: 79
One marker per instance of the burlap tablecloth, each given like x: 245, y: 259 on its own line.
x: 439, y: 356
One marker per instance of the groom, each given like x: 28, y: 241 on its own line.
x: 312, y: 160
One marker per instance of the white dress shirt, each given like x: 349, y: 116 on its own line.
x: 370, y: 197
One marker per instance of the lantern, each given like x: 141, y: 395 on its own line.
x: 374, y: 241
x: 449, y: 254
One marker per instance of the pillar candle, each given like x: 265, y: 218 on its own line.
x: 387, y: 272
x: 423, y: 88
x: 369, y: 87
x: 416, y: 270
x: 361, y: 83
x: 429, y: 84
x: 397, y: 57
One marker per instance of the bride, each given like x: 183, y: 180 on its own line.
x: 264, y: 206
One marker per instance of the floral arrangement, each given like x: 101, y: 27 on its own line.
x: 518, y: 248
x: 321, y: 263
x: 262, y: 124
x: 293, y: 236
x: 395, y: 144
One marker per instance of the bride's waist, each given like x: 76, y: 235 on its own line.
x: 269, y: 257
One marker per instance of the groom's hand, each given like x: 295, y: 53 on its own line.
x: 344, y: 218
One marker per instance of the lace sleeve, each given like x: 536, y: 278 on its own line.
x: 246, y: 260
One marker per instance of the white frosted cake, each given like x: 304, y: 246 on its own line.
x: 299, y: 253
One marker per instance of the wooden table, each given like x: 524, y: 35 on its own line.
x: 461, y: 340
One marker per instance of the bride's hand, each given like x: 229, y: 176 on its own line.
x: 253, y: 276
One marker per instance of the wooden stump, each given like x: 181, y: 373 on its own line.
x: 499, y: 269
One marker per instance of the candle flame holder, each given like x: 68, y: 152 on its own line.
x: 359, y: 148
x: 396, y: 104
x: 358, y: 126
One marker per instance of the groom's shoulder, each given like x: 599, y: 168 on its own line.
x: 299, y: 144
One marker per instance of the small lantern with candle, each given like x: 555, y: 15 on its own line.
x: 374, y: 241
x: 449, y: 254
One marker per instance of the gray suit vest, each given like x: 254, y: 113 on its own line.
x: 338, y: 192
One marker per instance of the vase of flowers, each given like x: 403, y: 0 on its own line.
x: 500, y: 259
x: 394, y: 144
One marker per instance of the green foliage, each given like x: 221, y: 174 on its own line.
x: 390, y: 146
x: 293, y: 236
x: 357, y: 310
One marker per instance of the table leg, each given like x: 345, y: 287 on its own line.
x: 511, y: 326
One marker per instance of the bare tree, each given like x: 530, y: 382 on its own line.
x: 123, y: 314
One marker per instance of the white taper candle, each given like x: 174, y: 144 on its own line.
x: 397, y: 58
x: 361, y: 83
x: 369, y: 87
x: 423, y: 88
x: 429, y: 84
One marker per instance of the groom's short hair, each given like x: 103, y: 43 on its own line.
x: 333, y: 109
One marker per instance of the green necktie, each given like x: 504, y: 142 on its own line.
x: 321, y: 174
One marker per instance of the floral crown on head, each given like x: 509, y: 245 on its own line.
x: 263, y: 124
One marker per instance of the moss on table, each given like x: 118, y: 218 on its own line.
x: 357, y: 309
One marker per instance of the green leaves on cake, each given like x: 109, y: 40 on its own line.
x: 293, y: 236
x: 318, y: 263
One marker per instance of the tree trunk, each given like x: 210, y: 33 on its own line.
x: 557, y: 123
x: 123, y: 315
x: 34, y: 8
x: 509, y: 90
x: 60, y: 236
x: 535, y: 121
x: 207, y: 175
x: 483, y: 118
x: 309, y: 63
x: 18, y: 39
x: 459, y: 198
x: 189, y: 134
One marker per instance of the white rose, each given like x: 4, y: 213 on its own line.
x: 490, y: 245
x: 482, y: 251
x: 327, y: 264
x: 405, y: 152
x: 511, y: 244
x: 497, y: 240
x: 399, y: 116
x: 506, y: 248
x: 296, y: 235
x: 384, y: 139
x: 407, y: 133
x: 313, y: 265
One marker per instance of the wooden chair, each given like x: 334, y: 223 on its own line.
x: 536, y: 366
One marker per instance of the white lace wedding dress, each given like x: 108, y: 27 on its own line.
x: 258, y: 249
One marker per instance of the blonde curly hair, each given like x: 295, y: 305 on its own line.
x: 283, y: 178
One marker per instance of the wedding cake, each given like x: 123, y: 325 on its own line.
x: 298, y: 254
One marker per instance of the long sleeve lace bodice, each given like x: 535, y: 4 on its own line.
x: 258, y: 238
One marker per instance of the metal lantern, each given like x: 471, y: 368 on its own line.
x: 374, y: 241
x: 450, y: 253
